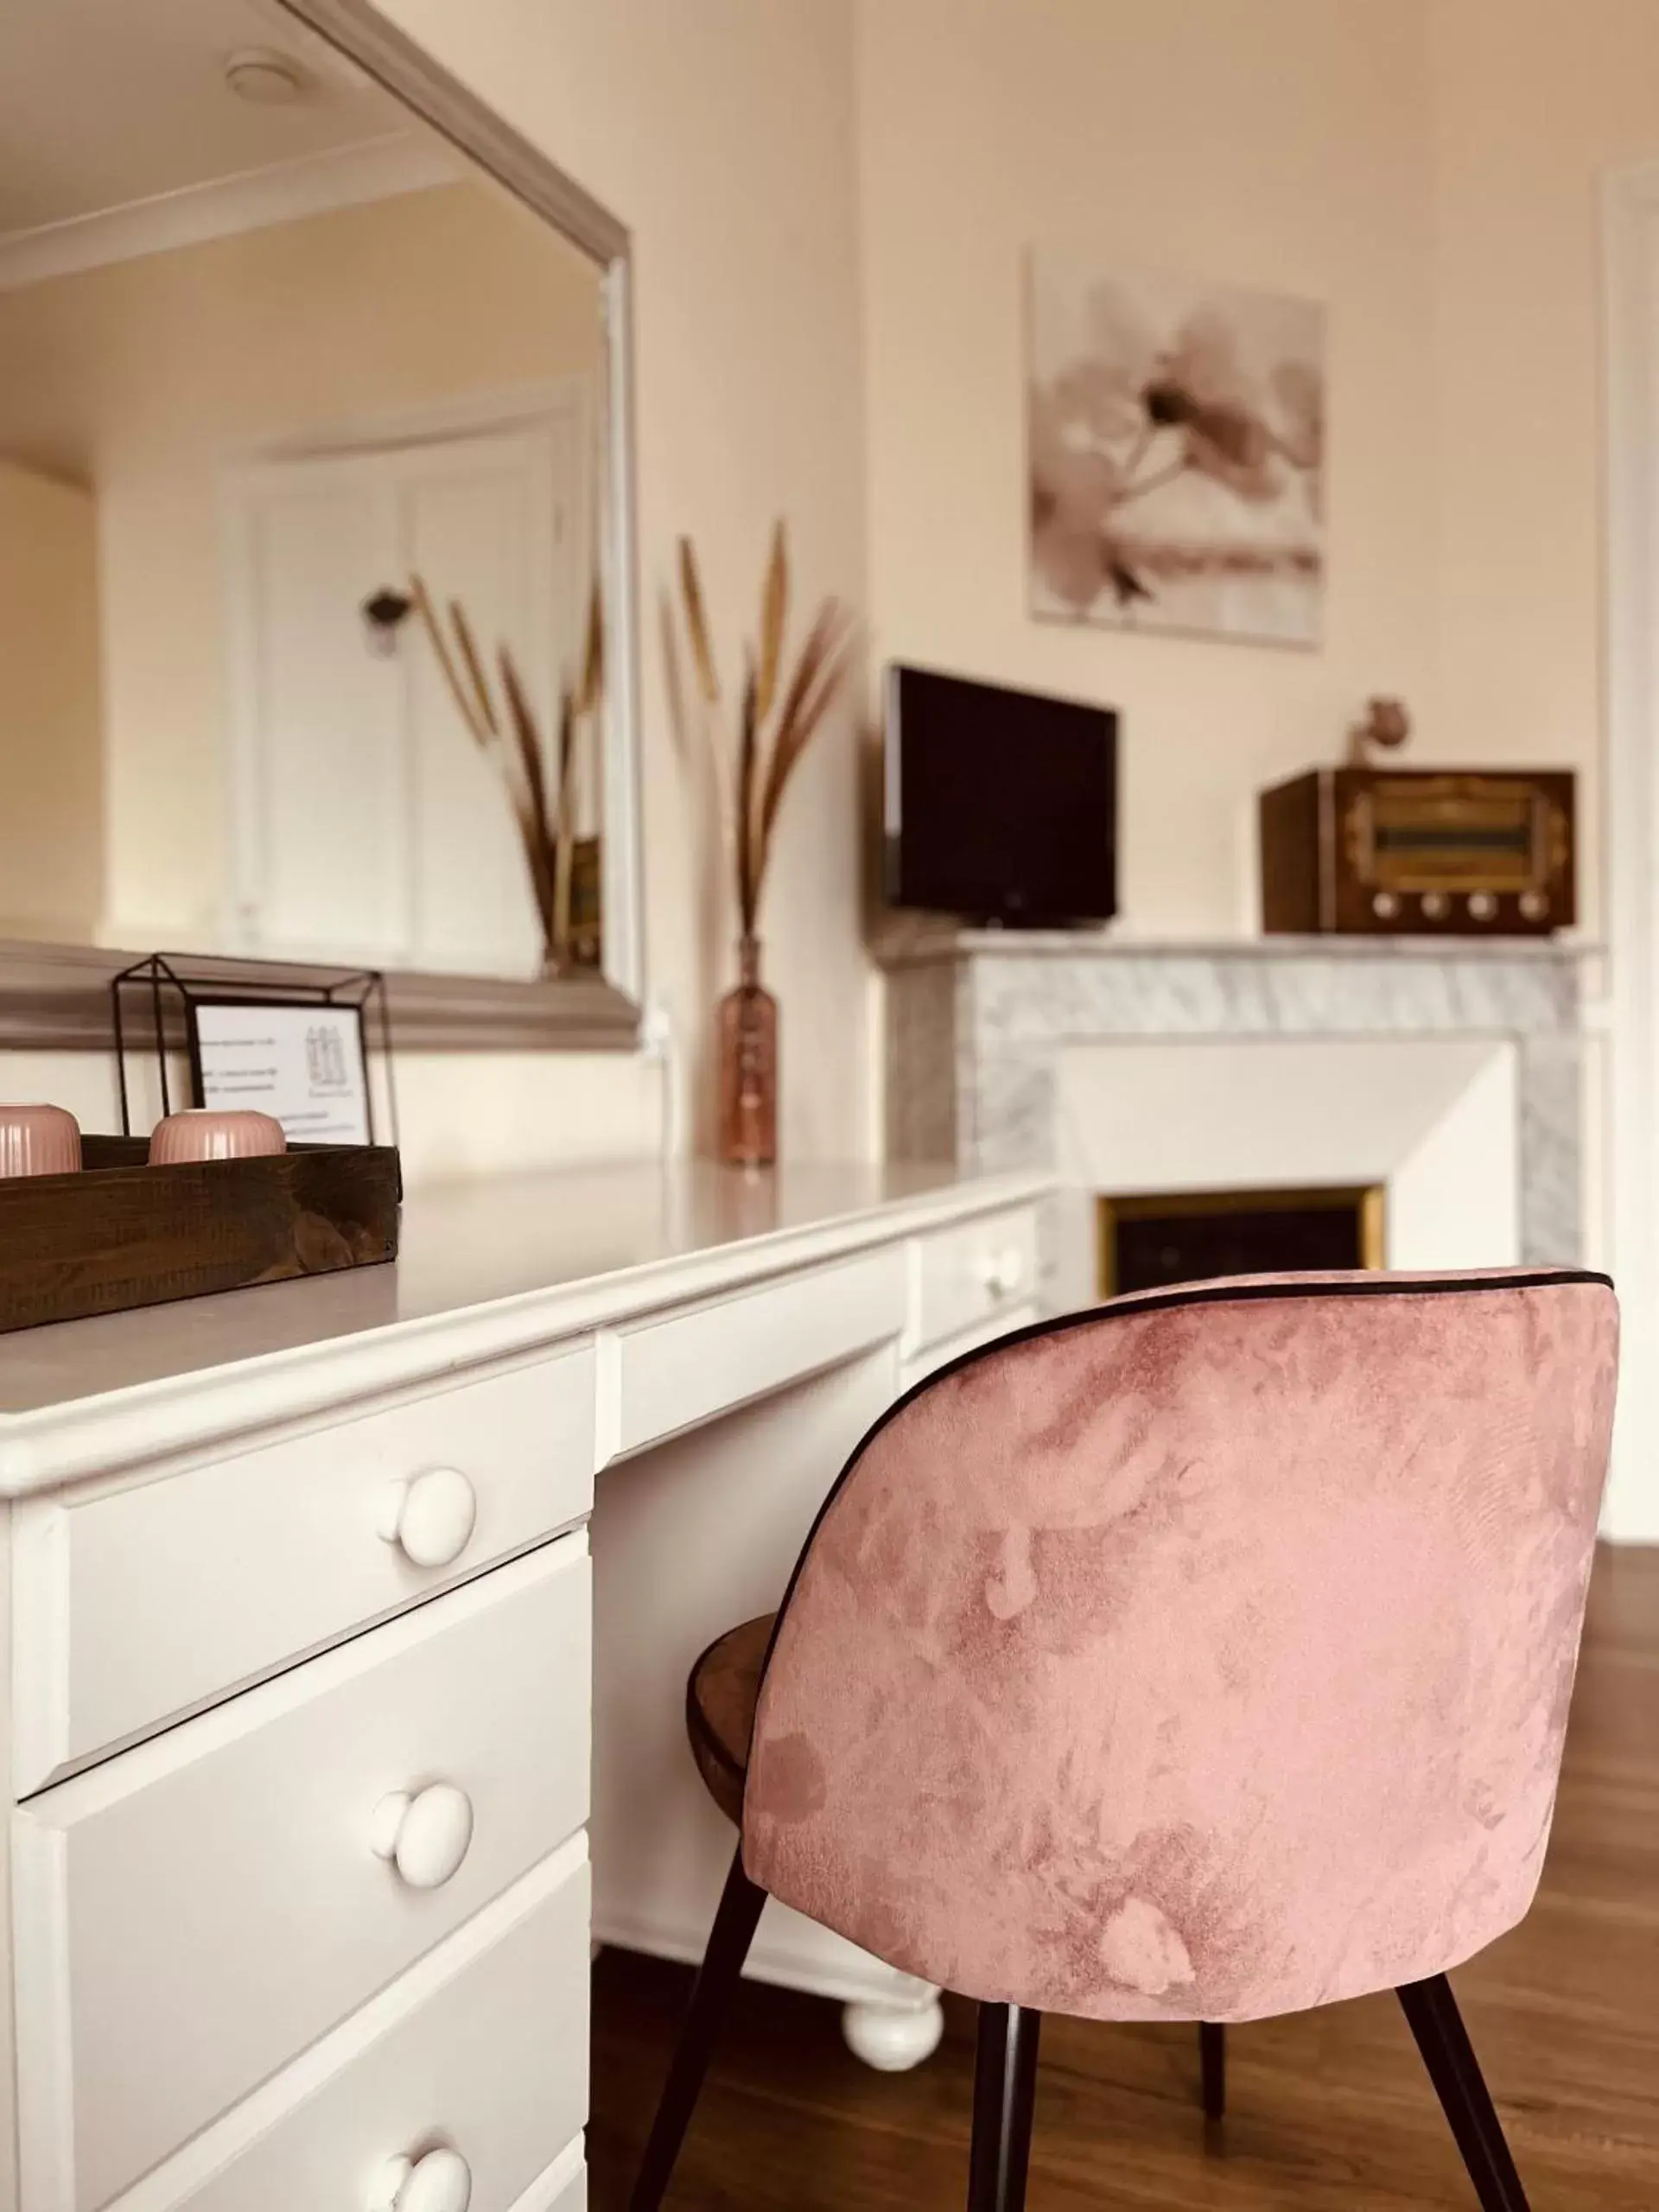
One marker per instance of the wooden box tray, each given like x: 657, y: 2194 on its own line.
x: 121, y: 1233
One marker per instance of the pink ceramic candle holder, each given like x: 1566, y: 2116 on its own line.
x: 203, y: 1133
x: 38, y: 1141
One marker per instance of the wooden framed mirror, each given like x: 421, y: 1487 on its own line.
x: 317, y: 564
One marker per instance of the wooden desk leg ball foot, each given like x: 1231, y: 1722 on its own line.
x: 893, y: 2039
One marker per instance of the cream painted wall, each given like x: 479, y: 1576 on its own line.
x: 1429, y: 168
x: 51, y: 798
x: 723, y: 134
x: 1535, y: 99
x: 1286, y: 144
x: 1532, y: 99
x: 146, y: 379
x: 1426, y: 166
x: 459, y: 1113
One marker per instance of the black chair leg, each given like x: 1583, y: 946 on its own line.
x: 1437, y: 2024
x: 1004, y: 2091
x: 1213, y: 2068
x: 711, y: 1997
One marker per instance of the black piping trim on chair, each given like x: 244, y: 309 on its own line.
x: 1130, y: 1307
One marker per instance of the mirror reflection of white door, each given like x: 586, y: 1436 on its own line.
x: 366, y: 823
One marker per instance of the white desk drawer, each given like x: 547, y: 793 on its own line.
x: 687, y: 1367
x: 190, y: 1915
x: 487, y: 2056
x: 140, y: 1604
x: 938, y: 1356
x: 968, y: 1276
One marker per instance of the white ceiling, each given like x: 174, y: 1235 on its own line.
x: 103, y: 102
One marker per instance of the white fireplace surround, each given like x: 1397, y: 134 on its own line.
x: 1447, y: 1069
x: 1434, y: 1121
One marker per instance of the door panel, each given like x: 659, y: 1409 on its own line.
x: 369, y: 824
x: 479, y: 525
x: 321, y: 832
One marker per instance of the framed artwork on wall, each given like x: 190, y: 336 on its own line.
x: 1176, y: 455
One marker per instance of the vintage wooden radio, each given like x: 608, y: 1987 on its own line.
x: 1418, y: 851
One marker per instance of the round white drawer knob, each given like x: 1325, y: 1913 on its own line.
x: 430, y: 1518
x: 424, y: 1836
x: 1002, y: 1273
x: 441, y: 2181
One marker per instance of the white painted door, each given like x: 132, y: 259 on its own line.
x: 368, y: 824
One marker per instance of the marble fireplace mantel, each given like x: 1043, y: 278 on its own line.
x: 977, y: 1021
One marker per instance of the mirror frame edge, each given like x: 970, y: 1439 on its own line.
x: 414, y: 76
x: 55, y: 998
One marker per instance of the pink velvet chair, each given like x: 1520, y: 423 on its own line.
x: 1204, y: 1657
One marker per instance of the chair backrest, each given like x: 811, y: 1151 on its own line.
x: 1204, y: 1656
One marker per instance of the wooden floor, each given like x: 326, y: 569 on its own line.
x: 1328, y: 2109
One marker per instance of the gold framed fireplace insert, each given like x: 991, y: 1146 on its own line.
x: 1150, y: 1240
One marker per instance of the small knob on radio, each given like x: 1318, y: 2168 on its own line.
x: 1436, y: 906
x: 1534, y: 906
x: 1482, y: 906
x: 1384, y: 906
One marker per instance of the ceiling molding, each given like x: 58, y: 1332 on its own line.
x: 345, y: 176
x: 55, y: 998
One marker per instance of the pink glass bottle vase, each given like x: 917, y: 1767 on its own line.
x: 749, y: 1066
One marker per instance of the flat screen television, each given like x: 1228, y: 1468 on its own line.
x: 1001, y: 806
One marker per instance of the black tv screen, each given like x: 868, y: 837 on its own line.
x: 1002, y: 806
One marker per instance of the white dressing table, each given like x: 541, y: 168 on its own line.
x: 329, y: 1655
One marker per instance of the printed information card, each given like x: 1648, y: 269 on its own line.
x: 306, y: 1066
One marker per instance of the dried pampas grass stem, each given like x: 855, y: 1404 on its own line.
x: 543, y: 805
x: 474, y: 668
x: 771, y: 738
x: 697, y: 625
x: 774, y: 620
